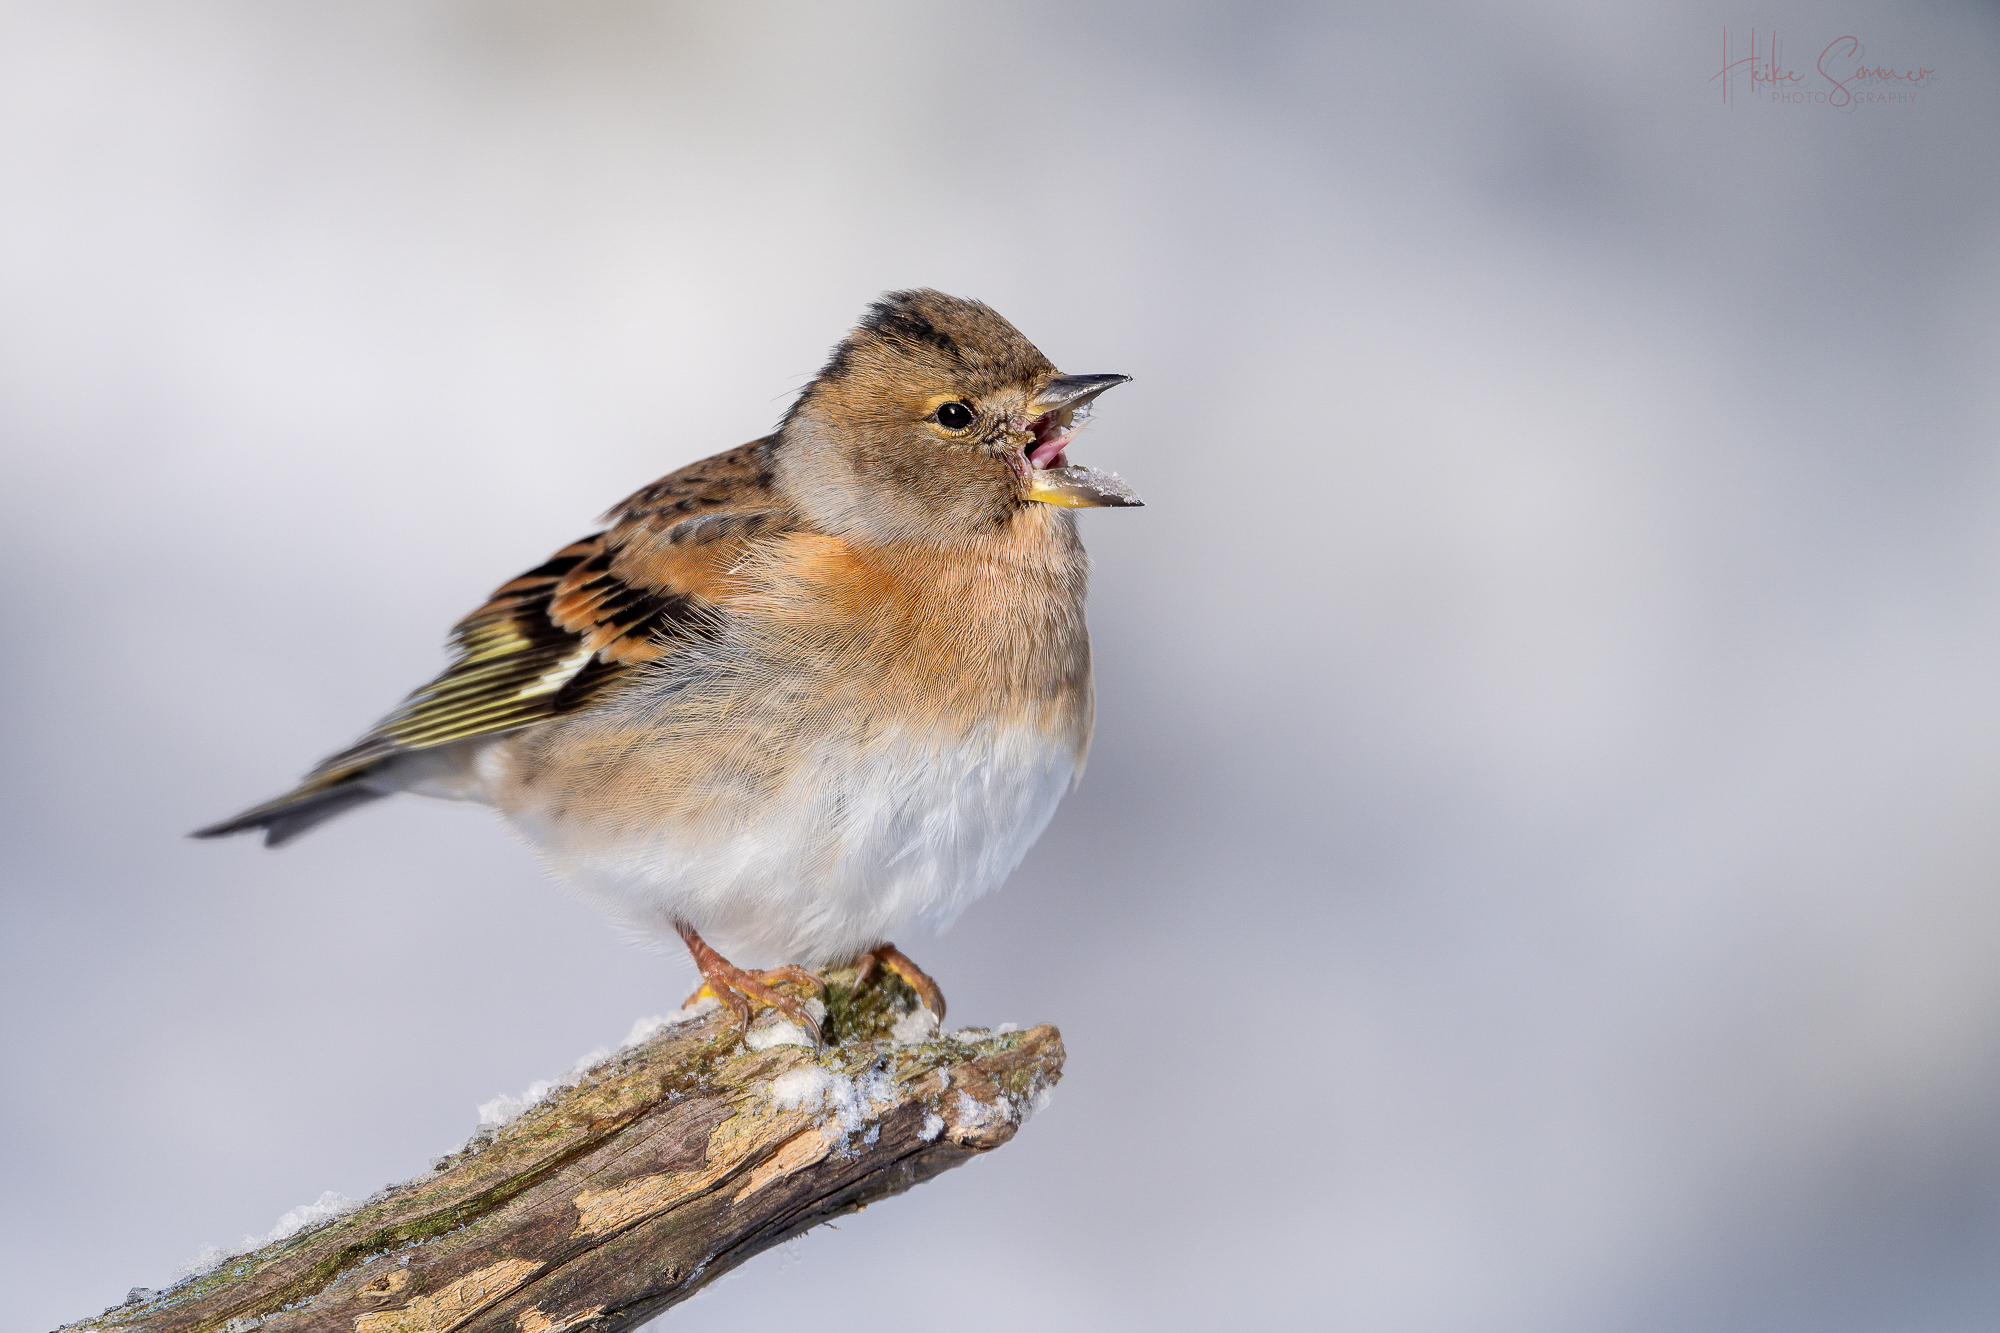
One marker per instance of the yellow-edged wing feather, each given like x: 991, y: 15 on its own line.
x: 557, y: 637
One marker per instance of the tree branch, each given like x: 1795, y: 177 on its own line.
x: 662, y: 1169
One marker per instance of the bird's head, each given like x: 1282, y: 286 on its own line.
x: 936, y: 421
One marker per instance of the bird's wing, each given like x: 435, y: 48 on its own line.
x: 555, y: 638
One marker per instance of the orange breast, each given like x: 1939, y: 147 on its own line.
x: 995, y: 631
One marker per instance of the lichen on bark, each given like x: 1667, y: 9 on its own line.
x: 658, y: 1171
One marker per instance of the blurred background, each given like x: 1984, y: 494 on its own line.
x: 1537, y: 869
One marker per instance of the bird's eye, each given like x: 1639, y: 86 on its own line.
x: 954, y: 416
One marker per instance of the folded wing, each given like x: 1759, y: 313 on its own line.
x: 561, y: 635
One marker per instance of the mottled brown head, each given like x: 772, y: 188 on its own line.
x: 934, y: 421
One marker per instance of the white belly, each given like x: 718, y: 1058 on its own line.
x: 849, y: 854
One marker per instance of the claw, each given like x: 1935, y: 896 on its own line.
x: 736, y: 987
x: 918, y: 980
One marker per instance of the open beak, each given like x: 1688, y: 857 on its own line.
x: 1051, y: 479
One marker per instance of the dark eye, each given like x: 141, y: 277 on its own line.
x: 954, y: 416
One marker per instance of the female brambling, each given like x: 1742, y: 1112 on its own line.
x: 797, y: 695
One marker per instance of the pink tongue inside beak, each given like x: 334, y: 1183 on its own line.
x: 1049, y: 443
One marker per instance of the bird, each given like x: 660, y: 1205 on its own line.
x: 797, y: 696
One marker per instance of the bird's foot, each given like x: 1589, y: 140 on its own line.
x: 918, y: 980
x: 739, y: 987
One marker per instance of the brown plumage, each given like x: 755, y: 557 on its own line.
x: 801, y: 691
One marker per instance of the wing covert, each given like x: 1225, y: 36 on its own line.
x: 556, y: 637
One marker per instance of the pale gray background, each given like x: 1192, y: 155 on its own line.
x: 1538, y: 866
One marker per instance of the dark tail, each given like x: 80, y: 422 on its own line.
x: 296, y: 812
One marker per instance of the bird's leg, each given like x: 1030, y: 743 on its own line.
x: 736, y: 987
x: 918, y: 980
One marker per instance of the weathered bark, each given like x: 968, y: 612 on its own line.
x: 659, y: 1171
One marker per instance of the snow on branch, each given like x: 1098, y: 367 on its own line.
x: 596, y: 1201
